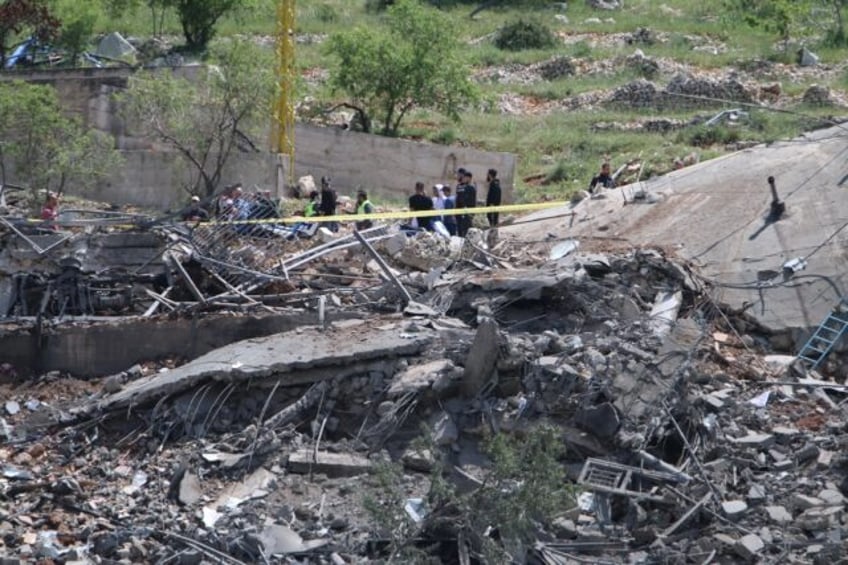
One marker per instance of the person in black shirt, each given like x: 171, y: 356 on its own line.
x: 327, y: 207
x: 493, y: 196
x: 420, y: 202
x: 466, y: 197
x: 195, y: 212
x: 604, y: 178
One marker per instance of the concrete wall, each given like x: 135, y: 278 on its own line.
x: 103, y: 349
x: 154, y: 177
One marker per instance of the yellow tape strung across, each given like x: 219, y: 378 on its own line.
x: 505, y: 208
x: 400, y: 215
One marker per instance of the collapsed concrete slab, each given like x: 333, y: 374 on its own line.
x: 298, y: 357
x: 717, y: 214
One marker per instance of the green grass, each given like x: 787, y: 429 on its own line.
x: 560, y: 151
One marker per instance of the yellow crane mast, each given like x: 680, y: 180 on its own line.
x: 283, y: 127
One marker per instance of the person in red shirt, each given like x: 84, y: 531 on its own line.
x: 50, y: 210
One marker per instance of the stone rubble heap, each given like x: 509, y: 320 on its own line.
x: 270, y: 448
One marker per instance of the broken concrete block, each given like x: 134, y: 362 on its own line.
x: 330, y: 464
x: 418, y: 377
x: 482, y: 358
x: 825, y: 459
x: 806, y: 453
x: 756, y: 494
x: 190, y: 489
x: 395, y: 244
x: 445, y: 431
x: 778, y: 515
x: 602, y: 420
x: 734, y: 509
x: 821, y: 518
x: 831, y: 497
x: 804, y: 502
x: 759, y: 441
x: 421, y: 460
x: 748, y: 547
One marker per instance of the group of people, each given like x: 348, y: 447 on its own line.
x: 234, y: 204
x: 454, y: 223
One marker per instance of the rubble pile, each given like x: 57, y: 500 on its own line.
x: 365, y: 429
x: 683, y: 90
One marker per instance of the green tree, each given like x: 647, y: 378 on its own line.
x: 79, y: 20
x: 199, y: 17
x: 783, y: 17
x: 205, y: 119
x: 412, y: 61
x: 19, y: 18
x: 158, y: 10
x: 45, y: 148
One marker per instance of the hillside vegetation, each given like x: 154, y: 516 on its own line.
x: 563, y: 108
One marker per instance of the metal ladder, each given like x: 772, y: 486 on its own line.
x: 834, y: 326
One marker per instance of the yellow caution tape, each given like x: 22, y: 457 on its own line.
x: 400, y: 215
x: 351, y: 217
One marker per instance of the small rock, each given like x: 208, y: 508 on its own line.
x: 804, y: 502
x: 445, y: 431
x: 756, y: 494
x: 734, y: 509
x: 113, y: 384
x: 778, y: 515
x: 831, y: 497
x: 601, y: 420
x: 190, y: 489
x: 749, y: 546
x: 807, y: 58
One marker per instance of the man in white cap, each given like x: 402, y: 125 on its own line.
x: 194, y: 212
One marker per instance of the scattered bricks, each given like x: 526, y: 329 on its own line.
x: 330, y: 464
x: 758, y: 441
x: 749, y: 547
x: 806, y: 453
x: 804, y: 502
x: 778, y: 515
x: 831, y: 497
x: 734, y: 509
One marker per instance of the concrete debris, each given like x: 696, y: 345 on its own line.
x: 115, y: 46
x: 281, y: 383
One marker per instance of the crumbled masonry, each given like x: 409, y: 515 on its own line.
x: 265, y: 384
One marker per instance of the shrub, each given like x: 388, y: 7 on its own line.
x: 326, y: 13
x: 705, y: 136
x: 524, y: 34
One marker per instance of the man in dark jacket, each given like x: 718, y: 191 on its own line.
x: 466, y: 197
x: 493, y: 196
x: 328, y: 202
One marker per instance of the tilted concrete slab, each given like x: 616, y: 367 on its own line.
x: 299, y: 356
x: 714, y: 215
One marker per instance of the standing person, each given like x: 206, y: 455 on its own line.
x: 604, y: 178
x: 467, y: 198
x: 439, y: 201
x: 328, y: 202
x: 363, y: 206
x: 312, y: 207
x: 450, y: 204
x: 50, y: 210
x: 493, y: 196
x: 419, y: 202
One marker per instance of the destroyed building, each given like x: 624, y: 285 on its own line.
x: 196, y: 394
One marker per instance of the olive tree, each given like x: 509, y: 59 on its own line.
x: 411, y: 61
x: 208, y: 118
